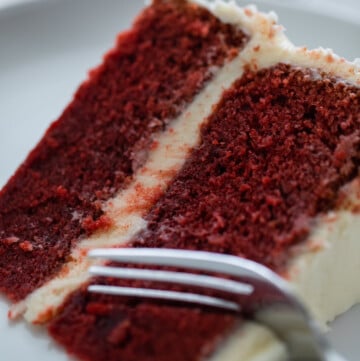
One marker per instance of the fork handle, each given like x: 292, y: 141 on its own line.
x: 334, y: 356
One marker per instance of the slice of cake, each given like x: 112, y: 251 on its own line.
x: 206, y: 129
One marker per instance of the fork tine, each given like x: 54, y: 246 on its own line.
x: 196, y: 260
x: 167, y: 295
x: 215, y: 283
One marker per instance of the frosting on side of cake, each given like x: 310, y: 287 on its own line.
x: 251, y: 342
x: 322, y: 277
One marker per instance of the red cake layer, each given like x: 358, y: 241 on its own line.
x: 102, y: 328
x: 274, y: 154
x: 55, y: 198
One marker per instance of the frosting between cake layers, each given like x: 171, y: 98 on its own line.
x: 334, y: 234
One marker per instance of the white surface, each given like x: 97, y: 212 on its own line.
x: 45, y: 51
x: 349, y: 9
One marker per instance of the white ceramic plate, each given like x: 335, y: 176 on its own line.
x: 46, y: 48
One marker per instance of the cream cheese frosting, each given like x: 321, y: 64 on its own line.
x: 317, y: 272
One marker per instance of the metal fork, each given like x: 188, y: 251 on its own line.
x: 260, y: 294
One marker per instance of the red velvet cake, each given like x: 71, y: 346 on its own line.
x: 205, y: 129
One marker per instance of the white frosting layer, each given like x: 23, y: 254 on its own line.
x: 251, y: 343
x: 325, y: 282
x: 270, y: 46
x: 325, y: 275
